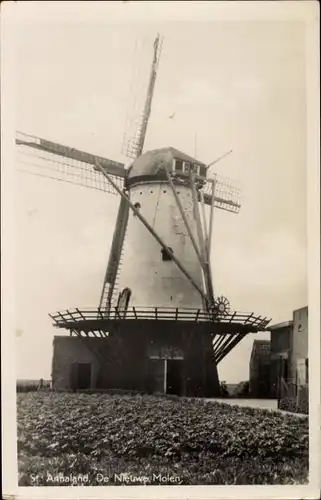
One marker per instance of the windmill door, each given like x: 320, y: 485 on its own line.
x: 84, y: 376
x: 157, y: 375
x: 174, y: 374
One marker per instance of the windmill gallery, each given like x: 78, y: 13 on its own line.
x: 159, y: 325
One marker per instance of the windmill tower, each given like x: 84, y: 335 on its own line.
x: 159, y: 326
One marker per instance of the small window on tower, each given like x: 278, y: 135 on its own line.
x: 166, y: 255
x: 137, y: 206
x: 178, y: 166
x: 187, y: 167
x: 202, y: 171
x: 195, y: 169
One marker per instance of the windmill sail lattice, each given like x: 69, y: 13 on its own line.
x: 44, y: 158
x: 136, y: 126
x: 40, y: 157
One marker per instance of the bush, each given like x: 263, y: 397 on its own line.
x: 242, y: 390
x: 224, y: 390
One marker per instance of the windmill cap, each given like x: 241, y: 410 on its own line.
x: 153, y: 164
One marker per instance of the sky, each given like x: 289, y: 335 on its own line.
x: 232, y: 85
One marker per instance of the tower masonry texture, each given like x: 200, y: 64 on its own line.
x: 152, y: 280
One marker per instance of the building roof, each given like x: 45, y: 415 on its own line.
x: 155, y: 161
x: 259, y: 342
x: 304, y: 308
x: 279, y: 326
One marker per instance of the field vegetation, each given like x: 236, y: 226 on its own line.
x: 26, y: 385
x: 155, y: 438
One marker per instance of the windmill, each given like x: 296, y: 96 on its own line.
x: 159, y: 324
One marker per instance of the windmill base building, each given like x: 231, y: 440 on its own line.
x: 150, y: 357
x: 144, y: 362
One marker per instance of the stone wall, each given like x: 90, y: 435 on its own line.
x: 66, y: 351
x: 122, y: 362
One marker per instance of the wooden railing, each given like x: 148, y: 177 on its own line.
x: 73, y: 316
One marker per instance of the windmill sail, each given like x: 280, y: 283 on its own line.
x: 48, y: 159
x: 114, y: 256
x: 133, y: 148
x: 227, y: 194
x: 134, y: 137
x: 44, y: 158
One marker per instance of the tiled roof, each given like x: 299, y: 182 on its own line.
x: 152, y: 162
x: 278, y: 326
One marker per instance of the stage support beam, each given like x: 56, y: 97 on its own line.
x: 231, y: 346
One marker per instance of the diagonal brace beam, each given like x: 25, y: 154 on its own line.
x: 211, y: 219
x: 201, y: 238
x: 101, y: 360
x: 218, y: 343
x: 207, y: 269
x: 180, y: 207
x: 231, y: 346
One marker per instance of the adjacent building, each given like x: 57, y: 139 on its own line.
x: 289, y: 352
x: 279, y: 367
x: 281, y: 339
x: 260, y: 369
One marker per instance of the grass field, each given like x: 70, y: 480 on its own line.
x: 100, y: 439
x: 26, y: 385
